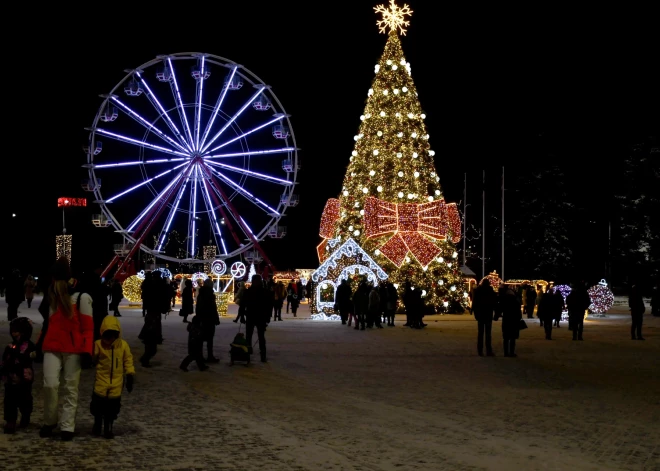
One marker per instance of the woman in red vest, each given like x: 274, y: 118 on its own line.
x: 67, y: 347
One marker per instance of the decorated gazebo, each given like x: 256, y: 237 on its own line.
x: 346, y: 260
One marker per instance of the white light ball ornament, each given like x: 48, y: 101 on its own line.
x: 400, y: 174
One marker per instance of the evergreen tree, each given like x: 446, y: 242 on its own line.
x: 391, y: 201
x: 636, y: 251
x: 538, y: 228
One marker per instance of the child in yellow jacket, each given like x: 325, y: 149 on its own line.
x: 113, y: 360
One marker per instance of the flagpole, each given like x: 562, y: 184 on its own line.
x: 483, y: 225
x: 464, y: 212
x: 502, y: 223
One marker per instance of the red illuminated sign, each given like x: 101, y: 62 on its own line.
x: 66, y: 202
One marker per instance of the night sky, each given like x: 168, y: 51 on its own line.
x: 499, y: 87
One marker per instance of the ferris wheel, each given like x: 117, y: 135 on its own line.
x: 187, y: 151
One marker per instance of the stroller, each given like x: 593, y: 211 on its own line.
x: 239, y: 350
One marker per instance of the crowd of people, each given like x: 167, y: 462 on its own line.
x: 512, y: 305
x: 81, y: 329
x: 78, y: 331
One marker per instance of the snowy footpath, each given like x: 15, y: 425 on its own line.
x: 333, y: 398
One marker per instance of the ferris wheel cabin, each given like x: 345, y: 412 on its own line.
x: 97, y: 148
x: 88, y: 184
x: 109, y: 114
x: 277, y: 232
x: 133, y: 88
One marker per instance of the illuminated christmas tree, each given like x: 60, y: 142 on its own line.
x: 391, y: 201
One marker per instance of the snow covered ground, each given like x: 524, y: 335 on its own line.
x: 333, y: 398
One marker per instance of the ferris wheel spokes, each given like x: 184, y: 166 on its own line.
x: 159, y: 197
x: 174, y: 86
x: 137, y: 142
x: 209, y: 205
x: 255, y: 152
x: 139, y: 162
x: 159, y: 107
x: 170, y: 216
x: 251, y: 173
x: 242, y: 136
x: 247, y: 195
x: 218, y: 105
x: 198, y: 108
x: 192, y: 215
x: 260, y: 88
x: 135, y: 187
x: 146, y: 124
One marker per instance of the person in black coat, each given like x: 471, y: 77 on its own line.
x: 559, y: 307
x: 195, y: 346
x: 116, y: 295
x: 14, y: 294
x: 187, y: 303
x: 144, y: 292
x: 361, y: 304
x: 258, y: 302
x: 484, y: 304
x: 343, y: 299
x: 206, y: 310
x: 158, y: 303
x: 547, y: 311
x: 637, y: 310
x: 509, y: 308
x: 391, y: 303
x: 577, y: 302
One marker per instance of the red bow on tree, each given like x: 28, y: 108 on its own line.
x: 329, y: 220
x: 411, y: 223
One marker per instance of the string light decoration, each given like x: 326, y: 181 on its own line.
x: 410, y: 223
x: 132, y: 288
x: 392, y: 161
x: 329, y: 220
x: 602, y: 298
x: 198, y: 278
x: 252, y: 271
x: 323, y: 317
x: 209, y: 252
x: 222, y: 301
x: 63, y: 244
x: 346, y: 260
x: 564, y: 290
x: 393, y: 18
x: 494, y: 278
x: 543, y: 283
x: 164, y: 273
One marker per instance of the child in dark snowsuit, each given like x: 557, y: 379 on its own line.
x: 195, y: 343
x: 18, y: 374
x: 113, y: 359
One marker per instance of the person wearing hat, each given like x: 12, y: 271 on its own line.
x: 18, y: 374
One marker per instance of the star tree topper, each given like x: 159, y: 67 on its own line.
x: 393, y: 18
